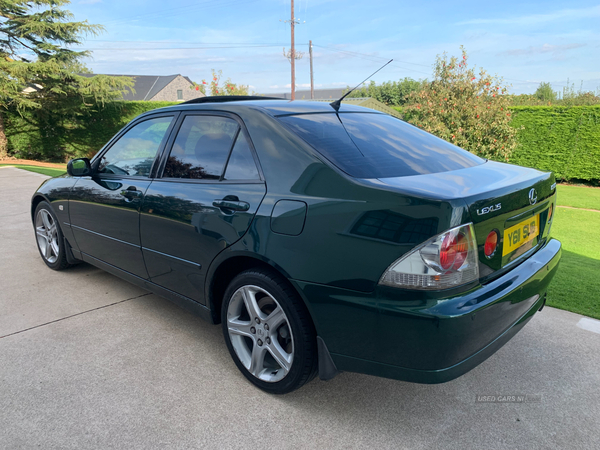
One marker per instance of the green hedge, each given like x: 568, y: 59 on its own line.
x: 44, y: 136
x: 565, y: 140
x: 561, y: 139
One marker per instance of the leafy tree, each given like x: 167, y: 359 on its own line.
x: 393, y: 93
x: 568, y: 97
x: 39, y: 72
x: 227, y: 88
x: 468, y: 109
x: 199, y: 86
x: 545, y: 93
x: 573, y: 97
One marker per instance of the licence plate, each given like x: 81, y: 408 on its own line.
x: 520, y: 234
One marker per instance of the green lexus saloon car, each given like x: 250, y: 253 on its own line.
x: 323, y: 239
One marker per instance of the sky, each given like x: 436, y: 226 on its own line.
x: 524, y: 42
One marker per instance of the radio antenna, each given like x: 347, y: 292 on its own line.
x: 336, y: 105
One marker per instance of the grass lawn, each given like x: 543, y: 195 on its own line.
x: 578, y: 196
x: 576, y: 286
x: 51, y: 172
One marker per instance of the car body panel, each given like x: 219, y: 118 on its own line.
x: 105, y: 220
x: 333, y: 249
x: 56, y: 192
x: 424, y: 339
x: 182, y: 231
x: 503, y: 187
x: 180, y: 300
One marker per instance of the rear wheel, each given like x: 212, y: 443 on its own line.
x: 49, y: 237
x: 268, y: 332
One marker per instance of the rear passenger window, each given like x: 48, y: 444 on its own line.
x: 201, y: 148
x: 241, y: 165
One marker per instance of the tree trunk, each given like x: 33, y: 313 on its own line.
x: 3, y: 140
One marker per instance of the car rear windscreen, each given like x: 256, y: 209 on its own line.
x: 377, y: 145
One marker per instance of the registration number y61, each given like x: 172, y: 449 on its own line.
x: 520, y: 234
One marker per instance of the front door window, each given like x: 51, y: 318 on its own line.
x: 135, y: 151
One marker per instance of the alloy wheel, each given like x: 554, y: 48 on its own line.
x: 47, y: 236
x: 260, y: 333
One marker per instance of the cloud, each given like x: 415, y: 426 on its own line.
x: 556, y: 50
x: 536, y: 19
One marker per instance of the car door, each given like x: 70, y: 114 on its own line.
x: 204, y: 201
x: 104, y: 208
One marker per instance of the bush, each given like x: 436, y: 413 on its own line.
x: 545, y: 93
x: 466, y: 109
x: 392, y: 93
x: 43, y: 136
x: 545, y: 96
x: 564, y: 140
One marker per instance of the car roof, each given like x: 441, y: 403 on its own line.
x: 272, y: 107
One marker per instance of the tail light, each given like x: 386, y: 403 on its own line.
x: 444, y: 261
x: 550, y: 211
x: 490, y: 244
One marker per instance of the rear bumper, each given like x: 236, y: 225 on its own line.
x: 414, y: 337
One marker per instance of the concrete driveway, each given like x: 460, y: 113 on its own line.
x: 89, y: 361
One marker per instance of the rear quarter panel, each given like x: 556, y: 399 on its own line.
x: 345, y: 241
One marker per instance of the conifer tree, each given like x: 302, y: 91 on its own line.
x: 38, y: 67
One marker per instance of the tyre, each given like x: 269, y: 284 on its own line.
x: 49, y: 237
x: 269, y: 332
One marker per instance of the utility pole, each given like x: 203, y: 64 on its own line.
x: 312, y: 81
x: 293, y: 55
x: 293, y: 58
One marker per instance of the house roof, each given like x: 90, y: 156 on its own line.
x: 146, y: 86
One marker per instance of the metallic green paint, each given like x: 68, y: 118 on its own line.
x: 181, y: 231
x: 353, y: 230
x: 105, y: 220
x: 288, y: 217
x: 407, y: 336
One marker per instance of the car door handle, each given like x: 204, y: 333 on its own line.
x: 131, y: 192
x: 231, y: 205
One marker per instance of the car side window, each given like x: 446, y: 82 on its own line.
x: 134, y: 152
x: 201, y: 148
x: 241, y: 165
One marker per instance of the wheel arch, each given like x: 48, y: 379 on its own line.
x: 222, y: 272
x: 36, y: 200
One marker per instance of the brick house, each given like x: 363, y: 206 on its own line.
x: 170, y: 88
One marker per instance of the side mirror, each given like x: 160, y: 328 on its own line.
x: 79, y: 167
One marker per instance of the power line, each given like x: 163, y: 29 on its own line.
x: 367, y: 57
x: 187, y: 42
x: 371, y: 58
x: 233, y: 45
x: 112, y: 49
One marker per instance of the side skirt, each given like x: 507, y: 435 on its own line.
x: 183, y: 302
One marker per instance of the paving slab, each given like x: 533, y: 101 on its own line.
x: 92, y: 362
x: 30, y: 293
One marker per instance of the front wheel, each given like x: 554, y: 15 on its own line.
x: 49, y: 237
x: 268, y: 332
